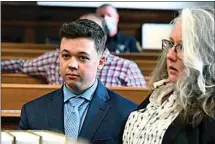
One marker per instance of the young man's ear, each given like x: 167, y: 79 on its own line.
x: 101, y: 62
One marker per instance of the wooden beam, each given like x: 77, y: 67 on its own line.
x: 20, y: 78
x: 15, y: 95
x: 27, y: 46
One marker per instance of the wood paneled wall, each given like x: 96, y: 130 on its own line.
x: 32, y: 23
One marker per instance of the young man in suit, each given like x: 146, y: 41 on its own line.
x: 83, y: 107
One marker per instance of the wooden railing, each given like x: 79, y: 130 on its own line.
x: 47, y: 47
x: 15, y: 95
x: 146, y: 60
x: 140, y: 56
x: 20, y: 78
x: 32, y: 50
x: 6, y: 45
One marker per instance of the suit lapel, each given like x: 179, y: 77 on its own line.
x: 55, y: 112
x: 97, y: 111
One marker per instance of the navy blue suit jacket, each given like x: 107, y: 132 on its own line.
x: 104, y: 122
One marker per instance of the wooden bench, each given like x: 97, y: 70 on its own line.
x: 146, y: 67
x: 26, y: 46
x: 146, y: 63
x: 23, y: 49
x: 140, y: 56
x: 146, y: 60
x: 32, y: 53
x: 50, y: 47
x: 8, y: 54
x: 20, y: 78
x: 15, y: 95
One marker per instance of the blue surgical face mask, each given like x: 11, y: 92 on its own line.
x: 110, y: 25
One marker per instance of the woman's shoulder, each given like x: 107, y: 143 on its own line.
x: 206, y: 131
x: 208, y: 126
x: 185, y: 133
x: 145, y: 102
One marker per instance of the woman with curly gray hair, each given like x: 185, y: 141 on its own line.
x: 181, y: 107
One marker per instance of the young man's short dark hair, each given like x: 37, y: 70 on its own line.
x: 84, y: 28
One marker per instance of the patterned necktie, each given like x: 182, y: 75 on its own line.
x: 72, y: 122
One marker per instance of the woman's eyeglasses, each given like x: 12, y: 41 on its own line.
x: 166, y: 45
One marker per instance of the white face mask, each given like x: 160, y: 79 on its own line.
x: 110, y: 25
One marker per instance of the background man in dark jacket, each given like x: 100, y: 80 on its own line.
x: 116, y: 42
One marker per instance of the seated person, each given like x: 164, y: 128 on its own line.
x: 116, y: 71
x: 181, y: 107
x: 83, y: 108
x: 117, y: 41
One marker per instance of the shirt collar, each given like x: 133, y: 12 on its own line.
x: 160, y: 83
x: 86, y: 95
x: 106, y: 52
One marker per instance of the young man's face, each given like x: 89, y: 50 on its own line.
x: 79, y: 62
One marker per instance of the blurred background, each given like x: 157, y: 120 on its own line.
x: 39, y: 22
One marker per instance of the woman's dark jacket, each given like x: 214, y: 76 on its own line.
x: 204, y: 133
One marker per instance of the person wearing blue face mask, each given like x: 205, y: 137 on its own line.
x: 116, y: 41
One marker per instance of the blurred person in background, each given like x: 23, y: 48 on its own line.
x: 181, y: 107
x: 117, y: 41
x: 116, y: 71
